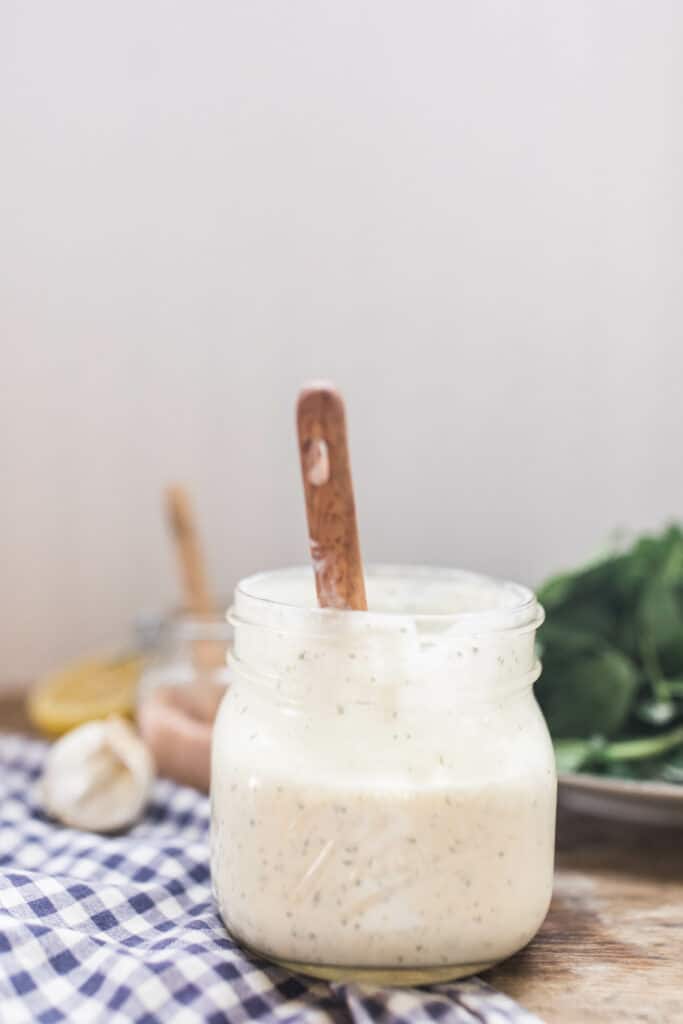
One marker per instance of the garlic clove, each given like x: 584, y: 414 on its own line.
x: 98, y: 777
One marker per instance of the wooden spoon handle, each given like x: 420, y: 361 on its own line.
x: 330, y: 508
x: 196, y: 596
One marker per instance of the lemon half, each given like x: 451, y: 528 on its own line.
x: 88, y: 689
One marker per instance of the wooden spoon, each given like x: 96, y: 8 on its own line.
x: 330, y: 507
x: 208, y: 654
x: 196, y: 595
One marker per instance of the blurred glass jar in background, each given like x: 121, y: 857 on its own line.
x: 186, y: 649
x: 179, y: 694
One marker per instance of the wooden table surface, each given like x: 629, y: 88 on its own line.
x: 611, y: 949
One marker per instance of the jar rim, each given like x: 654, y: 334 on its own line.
x: 516, y: 609
x: 183, y: 625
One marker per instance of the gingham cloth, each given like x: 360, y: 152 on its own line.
x: 124, y: 930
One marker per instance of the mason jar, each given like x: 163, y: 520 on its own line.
x: 383, y: 782
x: 190, y: 648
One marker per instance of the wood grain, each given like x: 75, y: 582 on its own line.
x: 196, y: 595
x: 330, y: 505
x: 611, y: 949
x: 13, y: 714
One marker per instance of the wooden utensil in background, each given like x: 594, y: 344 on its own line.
x: 196, y: 595
x: 330, y: 506
x: 208, y: 654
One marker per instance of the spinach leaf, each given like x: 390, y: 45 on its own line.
x: 635, y: 758
x: 577, y: 755
x: 657, y: 711
x: 612, y: 652
x: 671, y: 768
x: 586, y: 695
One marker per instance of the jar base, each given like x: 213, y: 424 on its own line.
x: 400, y: 977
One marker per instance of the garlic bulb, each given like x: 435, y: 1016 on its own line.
x: 98, y: 777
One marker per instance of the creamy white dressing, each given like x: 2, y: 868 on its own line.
x: 383, y: 786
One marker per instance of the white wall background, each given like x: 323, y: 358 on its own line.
x: 468, y: 213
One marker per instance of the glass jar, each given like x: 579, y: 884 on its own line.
x: 190, y: 648
x: 383, y: 782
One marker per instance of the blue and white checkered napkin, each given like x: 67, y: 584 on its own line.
x: 123, y: 929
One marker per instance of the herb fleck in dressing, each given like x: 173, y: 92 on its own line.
x: 413, y: 828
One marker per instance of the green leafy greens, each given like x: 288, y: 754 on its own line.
x: 612, y: 651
